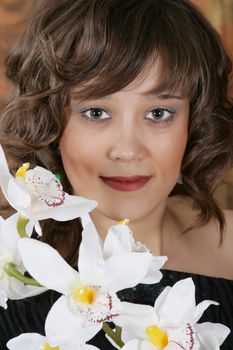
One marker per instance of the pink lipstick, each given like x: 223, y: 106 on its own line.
x: 125, y: 183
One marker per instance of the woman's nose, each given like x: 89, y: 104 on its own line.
x: 127, y: 146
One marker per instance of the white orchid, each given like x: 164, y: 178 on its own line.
x: 120, y: 241
x: 37, y: 194
x: 35, y: 341
x: 10, y: 258
x: 89, y: 296
x: 175, y: 324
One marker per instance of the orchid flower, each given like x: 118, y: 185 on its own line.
x: 37, y: 194
x: 119, y: 242
x: 175, y: 324
x: 35, y: 341
x: 89, y: 296
x: 9, y: 257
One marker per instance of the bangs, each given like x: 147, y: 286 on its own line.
x: 98, y: 47
x: 119, y: 43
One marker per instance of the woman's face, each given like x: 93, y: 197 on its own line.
x: 125, y: 150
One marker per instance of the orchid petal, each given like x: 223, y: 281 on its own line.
x: 16, y: 290
x: 13, y: 189
x: 86, y: 220
x: 200, y: 308
x: 3, y: 162
x: 145, y: 345
x: 9, y: 254
x: 136, y: 344
x: 154, y: 275
x: 118, y: 240
x: 33, y: 219
x: 4, y: 180
x: 134, y: 318
x: 176, y: 346
x: 29, y: 341
x: 29, y: 228
x: 161, y: 298
x: 3, y: 299
x: 73, y: 207
x: 211, y: 335
x: 184, y: 337
x: 17, y: 194
x: 127, y: 336
x: 132, y: 345
x: 19, y: 198
x: 9, y: 236
x: 46, y: 265
x: 179, y: 305
x: 90, y: 262
x: 64, y: 326
x: 125, y: 270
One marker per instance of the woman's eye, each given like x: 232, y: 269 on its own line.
x: 160, y: 115
x: 95, y: 114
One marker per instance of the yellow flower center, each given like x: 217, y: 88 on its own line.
x: 84, y: 295
x: 123, y: 222
x: 46, y: 346
x: 157, y: 337
x: 21, y: 172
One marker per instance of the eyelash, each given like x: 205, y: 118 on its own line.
x: 159, y: 121
x: 93, y: 120
x: 167, y: 119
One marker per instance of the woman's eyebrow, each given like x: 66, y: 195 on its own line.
x: 164, y: 96
x: 146, y: 95
x: 152, y: 96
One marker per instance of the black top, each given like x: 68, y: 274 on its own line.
x: 29, y: 315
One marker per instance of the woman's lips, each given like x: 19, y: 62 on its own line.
x: 125, y: 183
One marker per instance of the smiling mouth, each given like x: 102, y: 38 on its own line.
x: 125, y: 183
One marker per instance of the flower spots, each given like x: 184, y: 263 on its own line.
x: 94, y: 304
x: 45, y: 187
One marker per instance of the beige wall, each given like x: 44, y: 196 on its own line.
x: 12, y: 17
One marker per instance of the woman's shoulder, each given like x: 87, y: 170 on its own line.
x: 204, y: 252
x: 187, y: 216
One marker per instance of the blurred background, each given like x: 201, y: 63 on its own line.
x: 13, y: 18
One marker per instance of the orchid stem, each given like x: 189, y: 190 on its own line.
x: 114, y: 335
x: 13, y: 272
x: 21, y: 225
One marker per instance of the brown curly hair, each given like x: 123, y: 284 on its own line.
x: 71, y: 43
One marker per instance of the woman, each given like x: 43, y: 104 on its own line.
x: 124, y: 99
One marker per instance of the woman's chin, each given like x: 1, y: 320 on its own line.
x: 134, y: 214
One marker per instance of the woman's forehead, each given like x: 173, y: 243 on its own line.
x: 148, y: 84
